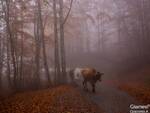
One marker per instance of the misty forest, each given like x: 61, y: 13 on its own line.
x: 74, y: 56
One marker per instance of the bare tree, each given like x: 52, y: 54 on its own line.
x: 62, y: 43
x: 11, y: 40
x: 57, y: 60
x: 41, y: 30
x: 1, y: 58
x: 37, y: 50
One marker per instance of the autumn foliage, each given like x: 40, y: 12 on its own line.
x: 142, y: 94
x: 62, y: 99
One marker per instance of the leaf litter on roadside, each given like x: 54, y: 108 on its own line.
x: 62, y: 99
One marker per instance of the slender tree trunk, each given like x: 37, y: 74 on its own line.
x: 37, y: 52
x: 62, y: 42
x: 10, y: 36
x: 22, y: 53
x: 8, y: 73
x: 43, y: 42
x: 102, y: 33
x: 99, y: 37
x: 8, y: 70
x: 87, y: 37
x: 1, y: 60
x: 16, y: 53
x: 57, y: 60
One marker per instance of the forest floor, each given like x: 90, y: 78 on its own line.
x: 140, y: 93
x: 69, y: 99
x: 112, y: 96
x: 137, y: 84
x: 62, y: 99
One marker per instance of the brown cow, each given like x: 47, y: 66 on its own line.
x: 92, y: 76
x: 85, y: 75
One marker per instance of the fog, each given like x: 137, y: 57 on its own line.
x: 37, y: 47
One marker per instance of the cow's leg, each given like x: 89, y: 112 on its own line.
x: 93, y: 88
x: 86, y: 88
x: 85, y: 85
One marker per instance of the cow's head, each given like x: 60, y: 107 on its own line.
x: 99, y: 76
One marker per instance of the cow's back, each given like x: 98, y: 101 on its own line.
x: 88, y: 73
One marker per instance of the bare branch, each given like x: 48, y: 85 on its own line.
x: 68, y: 12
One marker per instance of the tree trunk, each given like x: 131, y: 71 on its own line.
x: 10, y: 36
x: 37, y: 52
x: 57, y: 60
x: 43, y: 42
x: 62, y: 43
x: 1, y: 59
